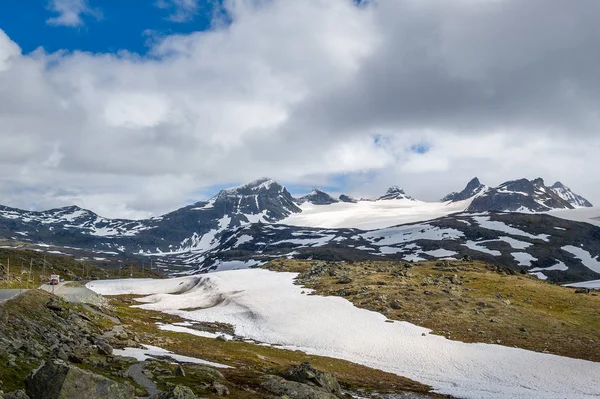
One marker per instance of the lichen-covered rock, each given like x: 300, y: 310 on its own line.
x: 57, y: 379
x: 20, y: 394
x: 179, y: 392
x: 305, y: 373
x: 295, y: 390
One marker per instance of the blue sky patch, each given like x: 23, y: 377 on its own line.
x: 112, y: 25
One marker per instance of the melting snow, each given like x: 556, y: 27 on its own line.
x: 486, y: 223
x: 476, y: 246
x: 523, y: 258
x: 584, y: 256
x: 559, y: 266
x: 150, y: 352
x: 266, y: 306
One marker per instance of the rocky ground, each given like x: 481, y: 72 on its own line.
x: 51, y: 349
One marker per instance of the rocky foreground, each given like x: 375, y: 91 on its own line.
x: 53, y: 349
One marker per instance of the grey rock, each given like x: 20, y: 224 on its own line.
x: 305, y: 373
x: 179, y: 392
x: 20, y: 394
x: 295, y: 390
x: 104, y: 348
x: 219, y: 389
x: 57, y: 379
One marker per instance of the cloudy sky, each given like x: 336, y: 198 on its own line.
x: 140, y: 109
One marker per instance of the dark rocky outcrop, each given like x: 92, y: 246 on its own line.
x: 304, y: 382
x: 393, y: 193
x: 57, y: 379
x: 179, y: 392
x: 519, y: 196
x: 318, y: 197
x: 473, y: 188
x: 347, y: 198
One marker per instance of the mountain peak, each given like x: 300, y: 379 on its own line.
x: 473, y: 188
x: 525, y: 195
x: 395, y: 192
x: 568, y: 195
x: 318, y: 197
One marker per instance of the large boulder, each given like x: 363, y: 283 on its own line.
x: 305, y: 373
x: 57, y: 379
x: 304, y: 382
x: 295, y: 390
x: 15, y: 395
x: 179, y: 392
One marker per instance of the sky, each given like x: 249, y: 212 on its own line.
x: 137, y: 108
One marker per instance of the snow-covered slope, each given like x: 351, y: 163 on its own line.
x: 371, y: 214
x: 519, y: 196
x: 395, y: 193
x: 267, y: 307
x: 564, y: 192
x: 473, y: 188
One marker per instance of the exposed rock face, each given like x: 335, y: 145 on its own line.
x: 318, y: 197
x: 295, y: 390
x: 473, y: 188
x: 179, y: 392
x: 307, y: 374
x: 393, y: 193
x: 347, y: 198
x: 304, y: 382
x: 519, y: 196
x: 57, y: 379
x: 15, y: 395
x: 565, y: 193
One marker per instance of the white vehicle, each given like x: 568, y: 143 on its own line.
x: 54, y: 279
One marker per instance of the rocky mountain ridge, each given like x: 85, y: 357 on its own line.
x: 198, y: 236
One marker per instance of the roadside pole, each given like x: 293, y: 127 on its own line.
x: 30, y: 267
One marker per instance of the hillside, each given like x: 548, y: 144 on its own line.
x: 465, y: 301
x: 38, y: 327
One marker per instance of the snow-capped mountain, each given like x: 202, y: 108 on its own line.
x: 317, y: 197
x: 239, y: 224
x: 520, y: 196
x: 564, y: 192
x: 473, y: 188
x: 347, y: 198
x: 394, y: 193
x: 551, y: 248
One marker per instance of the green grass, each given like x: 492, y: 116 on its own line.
x: 486, y: 306
x: 251, y: 362
x: 41, y: 265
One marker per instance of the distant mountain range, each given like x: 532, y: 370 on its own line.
x: 241, y: 225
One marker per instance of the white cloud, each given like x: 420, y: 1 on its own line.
x: 299, y: 90
x: 70, y: 12
x: 181, y: 10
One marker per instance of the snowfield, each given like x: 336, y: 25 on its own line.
x: 368, y: 215
x: 266, y: 306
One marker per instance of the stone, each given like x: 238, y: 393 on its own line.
x: 219, y: 389
x: 396, y: 304
x: 180, y: 371
x: 221, y: 338
x: 104, y: 348
x: 305, y: 373
x: 344, y: 279
x: 295, y: 390
x: 178, y: 392
x: 57, y: 379
x: 20, y: 394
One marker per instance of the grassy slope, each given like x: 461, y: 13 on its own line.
x: 251, y: 362
x: 483, y: 305
x: 65, y: 266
